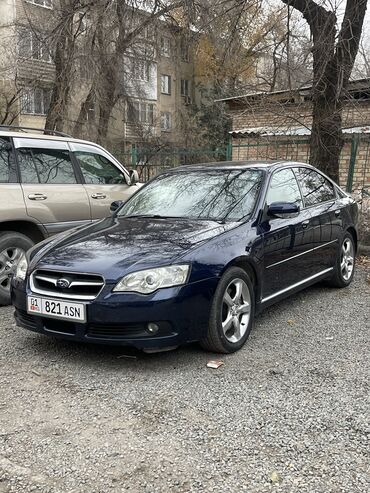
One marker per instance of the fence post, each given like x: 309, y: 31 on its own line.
x: 133, y: 155
x: 229, y: 151
x: 352, y: 162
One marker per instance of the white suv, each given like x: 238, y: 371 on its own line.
x: 50, y: 182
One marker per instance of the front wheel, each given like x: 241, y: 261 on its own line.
x: 12, y: 246
x: 232, y: 313
x: 345, y: 263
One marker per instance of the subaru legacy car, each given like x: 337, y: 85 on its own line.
x: 193, y: 255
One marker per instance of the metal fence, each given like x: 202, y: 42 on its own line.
x: 354, y: 166
x: 354, y: 162
x: 150, y: 161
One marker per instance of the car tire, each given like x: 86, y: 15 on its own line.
x: 232, y: 313
x: 344, y: 268
x: 12, y: 245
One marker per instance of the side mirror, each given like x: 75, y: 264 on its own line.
x: 115, y: 205
x: 134, y: 176
x: 282, y: 209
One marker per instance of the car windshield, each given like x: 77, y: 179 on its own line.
x: 223, y: 195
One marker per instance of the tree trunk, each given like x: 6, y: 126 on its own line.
x: 332, y: 66
x: 63, y: 60
x: 83, y: 116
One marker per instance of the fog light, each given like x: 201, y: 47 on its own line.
x: 153, y: 328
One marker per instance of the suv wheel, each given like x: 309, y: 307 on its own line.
x: 12, y: 246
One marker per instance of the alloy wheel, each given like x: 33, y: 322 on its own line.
x: 8, y: 264
x: 347, y: 259
x: 236, y: 308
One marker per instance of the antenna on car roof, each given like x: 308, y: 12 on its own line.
x: 45, y: 131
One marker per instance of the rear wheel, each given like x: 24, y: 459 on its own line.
x: 232, y: 313
x: 12, y: 246
x: 345, y: 263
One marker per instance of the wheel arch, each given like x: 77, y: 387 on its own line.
x: 27, y: 228
x: 354, y: 235
x: 247, y: 265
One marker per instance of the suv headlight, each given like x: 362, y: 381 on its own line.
x: 21, y: 270
x: 148, y: 281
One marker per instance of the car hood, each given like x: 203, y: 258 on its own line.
x: 116, y: 246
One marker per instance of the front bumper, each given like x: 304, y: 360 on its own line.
x: 182, y: 314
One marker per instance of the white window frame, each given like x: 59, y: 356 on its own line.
x: 166, y: 84
x: 166, y: 46
x: 36, y: 47
x: 166, y: 121
x: 46, y: 4
x: 28, y: 101
x: 144, y: 112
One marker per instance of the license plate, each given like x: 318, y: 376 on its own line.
x: 56, y: 308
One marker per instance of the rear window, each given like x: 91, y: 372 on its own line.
x: 315, y: 187
x: 46, y: 166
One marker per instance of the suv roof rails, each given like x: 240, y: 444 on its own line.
x: 45, y: 131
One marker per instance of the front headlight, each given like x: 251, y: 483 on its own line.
x: 22, y: 266
x: 148, y: 281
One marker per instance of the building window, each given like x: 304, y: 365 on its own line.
x: 42, y: 3
x: 31, y: 45
x: 184, y: 49
x: 35, y: 101
x: 166, y: 124
x: 185, y: 87
x: 140, y: 69
x: 165, y: 46
x: 165, y: 84
x: 140, y: 112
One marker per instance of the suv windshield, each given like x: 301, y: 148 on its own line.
x: 200, y: 194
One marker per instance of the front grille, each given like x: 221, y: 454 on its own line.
x: 120, y: 332
x: 114, y: 332
x: 66, y: 284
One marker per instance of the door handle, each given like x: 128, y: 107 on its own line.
x: 37, y: 196
x: 98, y: 195
x: 337, y: 212
x: 305, y: 223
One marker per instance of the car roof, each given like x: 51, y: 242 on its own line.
x: 42, y: 136
x: 222, y: 165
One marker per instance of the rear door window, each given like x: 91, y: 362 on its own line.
x: 315, y: 187
x: 7, y: 165
x: 47, y: 164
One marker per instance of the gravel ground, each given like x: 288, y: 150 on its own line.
x: 288, y: 413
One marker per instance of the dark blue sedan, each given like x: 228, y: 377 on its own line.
x: 194, y: 255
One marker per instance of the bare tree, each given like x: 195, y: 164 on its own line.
x: 334, y: 56
x: 63, y: 38
x: 112, y: 53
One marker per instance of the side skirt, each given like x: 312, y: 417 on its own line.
x: 298, y: 286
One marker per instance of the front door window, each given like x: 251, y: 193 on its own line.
x: 284, y: 188
x: 97, y: 169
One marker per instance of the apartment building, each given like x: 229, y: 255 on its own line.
x: 157, y: 76
x: 26, y: 67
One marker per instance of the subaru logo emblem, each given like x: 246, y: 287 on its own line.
x: 63, y: 283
